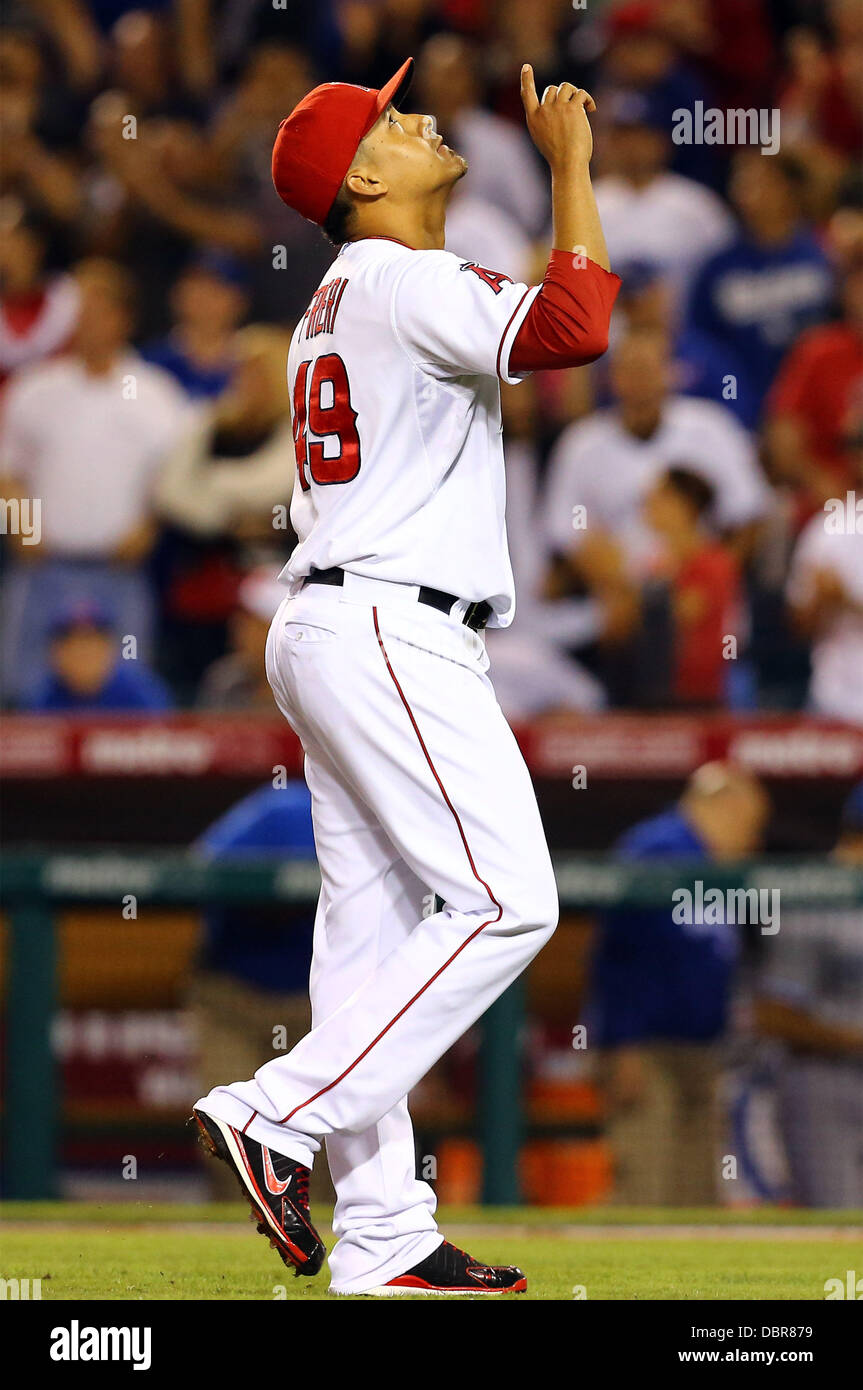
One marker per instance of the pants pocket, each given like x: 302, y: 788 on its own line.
x: 308, y: 632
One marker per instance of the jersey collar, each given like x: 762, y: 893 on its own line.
x: 358, y: 239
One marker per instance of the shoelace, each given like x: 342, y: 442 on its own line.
x: 458, y: 1250
x: 303, y: 1175
x: 476, y: 1264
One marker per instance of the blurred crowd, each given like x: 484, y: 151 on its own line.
x: 685, y: 516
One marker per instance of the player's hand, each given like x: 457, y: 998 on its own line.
x: 558, y: 124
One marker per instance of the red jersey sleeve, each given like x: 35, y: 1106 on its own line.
x: 567, y: 323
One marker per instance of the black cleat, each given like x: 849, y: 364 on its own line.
x: 448, y: 1270
x: 276, y: 1188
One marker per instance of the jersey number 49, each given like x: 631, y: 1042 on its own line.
x: 322, y: 407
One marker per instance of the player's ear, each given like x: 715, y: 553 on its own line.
x: 364, y: 184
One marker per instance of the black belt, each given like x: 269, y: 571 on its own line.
x: 475, y: 618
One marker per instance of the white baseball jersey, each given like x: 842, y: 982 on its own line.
x: 393, y: 372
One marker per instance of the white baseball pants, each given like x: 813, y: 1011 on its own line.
x: 418, y: 789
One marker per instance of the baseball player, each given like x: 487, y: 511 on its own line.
x: 377, y: 659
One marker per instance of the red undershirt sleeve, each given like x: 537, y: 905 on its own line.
x: 567, y: 323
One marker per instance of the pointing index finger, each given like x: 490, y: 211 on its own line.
x: 529, y: 97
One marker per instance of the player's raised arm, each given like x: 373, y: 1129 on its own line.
x: 559, y: 127
x: 567, y: 324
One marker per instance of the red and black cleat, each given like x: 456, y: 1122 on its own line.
x: 276, y: 1188
x: 448, y: 1270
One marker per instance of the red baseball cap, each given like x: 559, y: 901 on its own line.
x: 317, y: 142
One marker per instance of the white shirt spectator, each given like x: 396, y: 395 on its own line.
x: 531, y: 668
x: 48, y: 332
x: 207, y: 494
x: 90, y: 447
x: 673, y: 223
x: 597, y: 464
x: 478, y: 231
x: 503, y: 167
x: 837, y: 654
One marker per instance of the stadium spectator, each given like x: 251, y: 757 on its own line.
x: 650, y: 214
x: 755, y: 297
x: 86, y: 35
x: 659, y: 1001
x: 820, y: 99
x: 89, y: 672
x: 700, y: 366
x: 809, y: 998
x: 814, y: 422
x: 154, y: 200
x: 75, y: 37
x: 704, y: 586
x: 531, y: 662
x: 274, y: 77
x: 594, y: 520
x: 729, y: 42
x: 238, y: 680
x: 86, y: 434
x: 228, y: 473
x: 825, y: 594
x: 38, y: 309
x: 39, y: 126
x: 292, y: 254
x: 845, y: 225
x: 225, y: 490
x: 314, y: 29
x: 145, y: 62
x: 646, y: 431
x: 208, y: 302
x: 503, y: 167
x: 643, y: 56
x: 376, y: 37
x: 253, y: 968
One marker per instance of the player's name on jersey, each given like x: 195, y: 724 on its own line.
x: 320, y: 317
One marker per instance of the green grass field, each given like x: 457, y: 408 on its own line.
x: 145, y: 1251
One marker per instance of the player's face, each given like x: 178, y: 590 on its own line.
x: 409, y: 156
